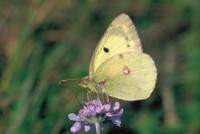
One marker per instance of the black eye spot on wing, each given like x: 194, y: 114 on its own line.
x: 105, y: 49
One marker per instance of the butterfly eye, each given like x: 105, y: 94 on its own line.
x: 105, y: 49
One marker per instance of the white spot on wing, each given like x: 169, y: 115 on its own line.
x: 126, y: 70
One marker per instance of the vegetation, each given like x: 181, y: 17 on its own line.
x: 44, y: 41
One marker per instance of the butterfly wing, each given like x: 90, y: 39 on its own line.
x: 121, y: 36
x: 128, y: 76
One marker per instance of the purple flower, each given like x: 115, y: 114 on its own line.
x: 95, y: 112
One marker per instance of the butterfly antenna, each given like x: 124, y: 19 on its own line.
x: 67, y: 80
x: 77, y: 98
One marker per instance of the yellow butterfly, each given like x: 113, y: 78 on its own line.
x: 118, y: 66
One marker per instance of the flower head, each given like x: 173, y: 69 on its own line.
x: 96, y: 112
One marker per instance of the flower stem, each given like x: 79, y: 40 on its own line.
x: 97, y: 126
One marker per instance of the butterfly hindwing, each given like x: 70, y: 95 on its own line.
x: 128, y: 76
x: 121, y: 36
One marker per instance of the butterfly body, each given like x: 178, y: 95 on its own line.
x: 92, y: 84
x: 119, y: 67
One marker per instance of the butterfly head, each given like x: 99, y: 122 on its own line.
x: 84, y: 82
x: 88, y: 82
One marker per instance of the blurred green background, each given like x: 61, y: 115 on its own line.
x: 44, y: 41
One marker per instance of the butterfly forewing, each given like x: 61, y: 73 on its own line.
x: 121, y: 36
x: 128, y: 76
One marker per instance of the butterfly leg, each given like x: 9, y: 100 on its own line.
x: 89, y: 96
x: 77, y: 98
x: 107, y: 97
x: 102, y: 97
x: 98, y: 95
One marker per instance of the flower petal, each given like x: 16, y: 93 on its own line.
x: 88, y: 112
x: 86, y: 128
x: 102, y: 109
x: 76, y: 127
x: 120, y: 112
x: 107, y: 107
x: 116, y: 121
x: 109, y: 114
x: 97, y: 109
x: 73, y: 117
x: 116, y: 106
x: 97, y: 102
x: 98, y: 106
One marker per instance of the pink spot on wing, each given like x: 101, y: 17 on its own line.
x: 126, y: 70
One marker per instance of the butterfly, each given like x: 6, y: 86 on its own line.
x: 118, y: 67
